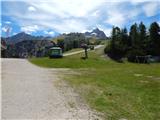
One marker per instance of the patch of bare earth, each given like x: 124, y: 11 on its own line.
x: 31, y: 92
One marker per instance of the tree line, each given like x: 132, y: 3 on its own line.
x: 139, y: 41
x: 74, y: 40
x: 70, y: 41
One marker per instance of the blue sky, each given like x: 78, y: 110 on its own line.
x: 37, y: 17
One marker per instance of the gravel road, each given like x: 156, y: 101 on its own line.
x: 31, y: 92
x: 80, y: 51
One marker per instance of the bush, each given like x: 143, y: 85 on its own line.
x: 131, y: 55
x: 107, y: 49
x: 115, y: 54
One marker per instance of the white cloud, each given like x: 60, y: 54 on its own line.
x: 116, y: 15
x: 70, y: 26
x: 151, y: 8
x: 30, y: 29
x: 31, y: 9
x: 6, y: 29
x: 8, y: 22
x: 73, y: 0
x: 49, y: 32
x: 64, y: 8
x: 45, y: 32
x: 107, y: 31
x: 72, y: 15
x: 95, y: 13
x: 14, y: 33
x: 134, y: 13
x: 116, y: 19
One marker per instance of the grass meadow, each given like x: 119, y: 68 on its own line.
x: 117, y: 90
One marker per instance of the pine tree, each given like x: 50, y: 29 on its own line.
x: 124, y: 41
x: 154, y: 38
x: 113, y: 38
x: 137, y: 43
x: 134, y: 35
x: 142, y: 43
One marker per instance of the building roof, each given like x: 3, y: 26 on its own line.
x: 55, y: 48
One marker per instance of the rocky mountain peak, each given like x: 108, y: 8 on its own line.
x: 96, y: 33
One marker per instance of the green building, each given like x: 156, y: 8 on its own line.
x: 55, y: 52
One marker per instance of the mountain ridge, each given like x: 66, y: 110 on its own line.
x: 96, y: 33
x: 22, y: 36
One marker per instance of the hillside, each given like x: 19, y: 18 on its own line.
x: 23, y: 36
x: 25, y: 45
x: 118, y: 90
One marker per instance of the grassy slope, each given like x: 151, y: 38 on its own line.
x: 73, y: 50
x: 119, y: 90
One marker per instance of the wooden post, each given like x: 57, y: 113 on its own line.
x: 86, y: 53
x: 85, y: 47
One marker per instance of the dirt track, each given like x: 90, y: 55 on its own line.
x: 80, y: 51
x: 31, y: 92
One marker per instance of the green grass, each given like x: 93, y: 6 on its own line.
x: 73, y: 61
x: 73, y: 50
x: 118, y: 90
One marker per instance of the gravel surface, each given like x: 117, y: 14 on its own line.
x: 31, y: 92
x: 77, y: 52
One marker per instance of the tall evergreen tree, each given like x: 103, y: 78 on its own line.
x: 113, y: 38
x: 134, y: 35
x: 154, y: 38
x: 138, y: 43
x: 125, y: 38
x: 142, y: 32
x: 142, y: 43
x: 116, y: 50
